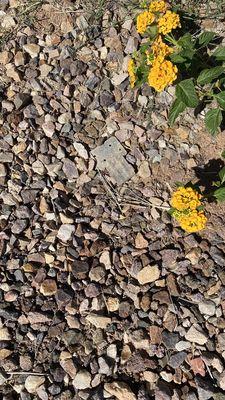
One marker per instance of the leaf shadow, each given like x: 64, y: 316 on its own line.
x: 208, y: 174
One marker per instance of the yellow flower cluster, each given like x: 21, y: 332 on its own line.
x: 194, y: 221
x: 162, y: 74
x: 168, y: 22
x: 186, y: 201
x: 160, y: 49
x: 143, y: 20
x: 131, y: 72
x: 158, y: 6
x: 186, y: 198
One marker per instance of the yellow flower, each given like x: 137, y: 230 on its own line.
x: 168, y: 21
x: 143, y: 20
x: 193, y: 221
x: 160, y: 49
x: 158, y: 6
x: 162, y: 74
x: 131, y: 72
x: 186, y: 198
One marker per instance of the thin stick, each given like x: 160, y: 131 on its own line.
x: 107, y: 186
x: 26, y: 373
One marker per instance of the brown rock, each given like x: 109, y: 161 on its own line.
x: 140, y: 242
x: 33, y: 382
x: 32, y: 49
x: 98, y: 321
x: 196, y: 335
x: 120, y: 390
x: 148, y: 274
x: 48, y: 287
x: 11, y: 72
x: 4, y: 334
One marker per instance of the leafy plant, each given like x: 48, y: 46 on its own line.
x: 206, y: 83
x: 194, y: 63
x: 219, y: 192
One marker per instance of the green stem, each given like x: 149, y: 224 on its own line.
x: 171, y: 39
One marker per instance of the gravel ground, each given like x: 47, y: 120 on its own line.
x: 102, y: 295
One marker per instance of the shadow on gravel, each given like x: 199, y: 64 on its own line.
x: 208, y: 174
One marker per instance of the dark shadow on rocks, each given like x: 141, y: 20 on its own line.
x: 208, y: 174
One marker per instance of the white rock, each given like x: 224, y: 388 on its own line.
x: 150, y: 376
x: 38, y: 167
x: 112, y: 351
x: 32, y: 49
x: 131, y: 45
x: 120, y: 390
x: 148, y: 274
x: 33, y: 382
x: 82, y: 380
x: 65, y: 232
x: 81, y: 150
x: 196, y: 335
x: 4, y: 334
x: 98, y: 321
x: 119, y: 78
x: 182, y: 345
x: 105, y: 259
x: 222, y: 381
x: 144, y: 171
x: 3, y: 171
x: 45, y: 69
x: 69, y: 367
x: 8, y: 22
x: 207, y: 307
x: 64, y: 118
x: 49, y: 128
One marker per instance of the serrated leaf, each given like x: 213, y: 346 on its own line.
x: 213, y: 119
x: 177, y: 108
x: 219, y: 53
x: 219, y: 194
x: 177, y: 58
x: 222, y: 175
x: 185, y: 92
x: 205, y: 38
x: 186, y: 41
x: 220, y: 97
x: 188, y: 53
x: 208, y: 75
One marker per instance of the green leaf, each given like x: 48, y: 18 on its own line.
x: 208, y: 75
x: 177, y: 108
x: 205, y: 38
x: 223, y: 154
x: 188, y: 53
x: 171, y: 211
x: 186, y: 41
x: 152, y: 31
x: 185, y: 92
x: 213, y: 119
x: 219, y: 194
x: 222, y: 175
x: 217, y: 183
x: 179, y: 184
x: 177, y: 58
x: 143, y: 48
x: 220, y: 97
x: 219, y: 53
